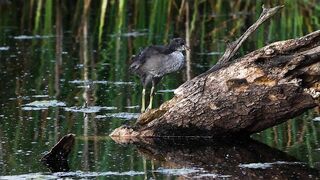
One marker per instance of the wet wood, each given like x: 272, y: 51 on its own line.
x: 237, y: 98
x: 57, y: 158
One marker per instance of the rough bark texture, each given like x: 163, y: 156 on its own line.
x: 264, y: 88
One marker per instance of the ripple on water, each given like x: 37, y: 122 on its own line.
x: 40, y: 96
x: 166, y: 91
x: 45, y: 104
x: 211, y: 175
x: 96, y: 174
x: 120, y: 115
x: 77, y: 174
x: 131, y: 34
x: 90, y: 109
x: 101, y: 82
x: 317, y: 119
x: 5, y: 48
x: 41, y: 105
x: 132, y: 107
x: 26, y: 37
x: 266, y: 165
x: 213, y: 53
x: 176, y: 172
x: 33, y: 108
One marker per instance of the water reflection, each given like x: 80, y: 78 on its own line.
x: 207, y: 158
x: 77, y: 53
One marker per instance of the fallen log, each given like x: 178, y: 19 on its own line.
x: 237, y: 98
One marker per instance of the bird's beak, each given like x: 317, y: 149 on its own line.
x: 186, y: 48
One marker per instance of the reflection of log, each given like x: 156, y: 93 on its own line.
x: 225, y: 158
x: 57, y: 159
x: 262, y: 89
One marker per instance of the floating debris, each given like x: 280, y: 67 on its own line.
x: 45, y: 104
x: 121, y: 115
x: 90, y: 109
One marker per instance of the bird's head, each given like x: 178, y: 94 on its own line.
x: 178, y: 44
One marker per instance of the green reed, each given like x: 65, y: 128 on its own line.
x: 213, y: 23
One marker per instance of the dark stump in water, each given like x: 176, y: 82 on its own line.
x: 57, y: 159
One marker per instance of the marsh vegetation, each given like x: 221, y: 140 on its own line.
x: 64, y: 68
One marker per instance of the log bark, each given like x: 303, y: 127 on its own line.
x: 237, y: 98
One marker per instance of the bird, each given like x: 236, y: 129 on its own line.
x: 156, y: 61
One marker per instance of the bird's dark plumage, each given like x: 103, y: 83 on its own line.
x: 156, y: 61
x: 153, y: 62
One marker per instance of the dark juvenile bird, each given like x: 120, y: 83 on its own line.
x: 153, y: 62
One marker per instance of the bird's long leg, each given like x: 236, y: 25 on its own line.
x: 143, y: 104
x: 151, y: 96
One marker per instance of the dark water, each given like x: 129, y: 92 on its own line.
x: 63, y: 69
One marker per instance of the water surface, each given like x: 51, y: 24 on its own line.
x: 64, y: 69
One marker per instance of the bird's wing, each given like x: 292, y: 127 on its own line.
x: 143, y: 55
x: 165, y: 64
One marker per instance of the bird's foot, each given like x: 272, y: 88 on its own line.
x: 148, y: 108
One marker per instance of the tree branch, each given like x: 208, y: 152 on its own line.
x: 234, y: 46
